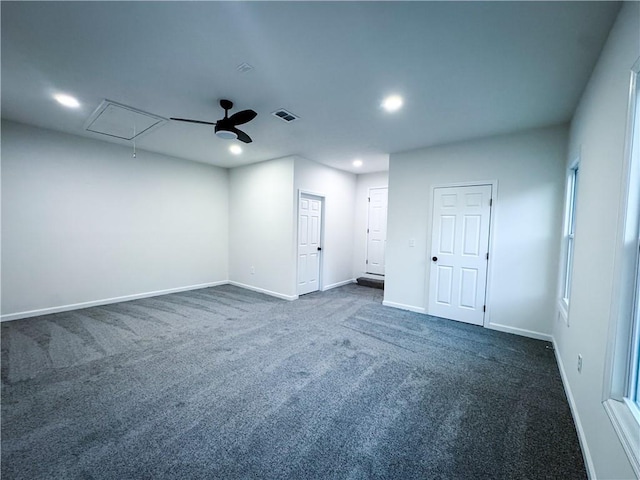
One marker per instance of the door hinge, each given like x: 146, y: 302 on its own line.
x: 369, y: 199
x: 367, y: 230
x: 366, y: 262
x: 487, y: 255
x: 484, y: 308
x: 491, y: 202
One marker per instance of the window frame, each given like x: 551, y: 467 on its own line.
x: 620, y: 394
x: 633, y: 388
x: 568, y: 236
x: 632, y: 391
x: 570, y: 229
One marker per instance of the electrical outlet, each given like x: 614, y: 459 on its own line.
x: 253, y: 270
x: 579, y: 363
x: 412, y: 242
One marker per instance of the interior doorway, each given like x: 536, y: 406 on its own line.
x: 310, y: 209
x: 377, y: 230
x: 460, y: 252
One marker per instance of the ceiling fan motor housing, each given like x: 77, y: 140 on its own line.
x: 222, y: 132
x: 226, y: 127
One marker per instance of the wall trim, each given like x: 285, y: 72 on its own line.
x: 582, y: 438
x: 262, y: 290
x: 402, y: 306
x: 523, y: 332
x: 338, y: 284
x: 106, y: 301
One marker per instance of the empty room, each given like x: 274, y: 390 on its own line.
x: 320, y: 240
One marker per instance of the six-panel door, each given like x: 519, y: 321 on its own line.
x: 377, y: 230
x: 309, y: 234
x: 459, y: 253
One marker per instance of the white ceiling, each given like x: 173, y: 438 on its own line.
x: 465, y: 70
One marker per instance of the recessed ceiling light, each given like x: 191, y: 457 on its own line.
x: 392, y: 103
x: 357, y: 163
x: 235, y: 149
x: 67, y: 100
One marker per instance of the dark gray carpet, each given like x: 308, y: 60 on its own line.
x: 224, y: 383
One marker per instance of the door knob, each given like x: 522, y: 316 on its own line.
x: 319, y: 248
x: 435, y: 259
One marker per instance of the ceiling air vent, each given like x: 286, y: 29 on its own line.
x: 244, y: 67
x: 120, y: 121
x: 285, y: 116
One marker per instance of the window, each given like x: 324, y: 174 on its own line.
x: 633, y: 390
x: 622, y: 386
x: 570, y: 226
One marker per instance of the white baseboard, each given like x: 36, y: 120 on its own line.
x: 520, y: 331
x: 105, y: 301
x: 266, y: 292
x: 339, y: 284
x: 588, y: 461
x: 402, y: 306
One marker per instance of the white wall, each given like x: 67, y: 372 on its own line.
x: 261, y: 231
x: 83, y: 221
x: 339, y: 189
x: 529, y: 169
x: 365, y: 181
x: 598, y: 131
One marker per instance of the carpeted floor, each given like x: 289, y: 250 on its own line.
x: 224, y: 383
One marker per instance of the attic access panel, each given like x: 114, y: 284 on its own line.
x: 121, y: 121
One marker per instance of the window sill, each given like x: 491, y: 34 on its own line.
x: 563, y: 310
x: 627, y: 428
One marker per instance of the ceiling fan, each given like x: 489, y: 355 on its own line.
x: 226, y: 127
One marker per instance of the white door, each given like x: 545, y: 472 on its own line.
x: 377, y: 230
x: 309, y: 235
x: 460, y: 252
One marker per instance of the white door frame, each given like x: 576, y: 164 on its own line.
x: 322, y: 198
x: 492, y: 216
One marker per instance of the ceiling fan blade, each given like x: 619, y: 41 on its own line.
x: 192, y: 121
x: 244, y: 116
x: 243, y: 137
